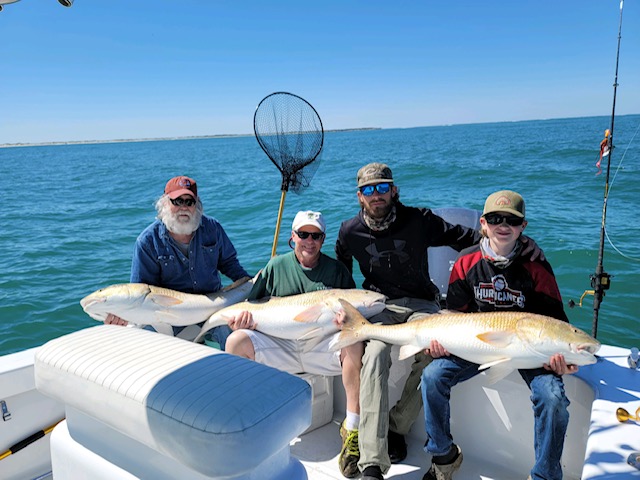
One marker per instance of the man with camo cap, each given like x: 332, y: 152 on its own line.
x: 389, y: 241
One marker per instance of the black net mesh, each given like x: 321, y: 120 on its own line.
x: 290, y: 132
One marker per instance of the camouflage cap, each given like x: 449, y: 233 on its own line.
x: 505, y: 201
x: 374, y: 173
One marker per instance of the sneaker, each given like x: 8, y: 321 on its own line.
x: 396, y: 446
x: 350, y: 452
x: 372, y: 472
x: 444, y: 472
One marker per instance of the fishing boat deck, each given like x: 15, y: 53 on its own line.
x: 494, y: 426
x: 492, y: 423
x: 317, y: 451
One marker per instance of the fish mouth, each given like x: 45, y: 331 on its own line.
x: 374, y: 304
x: 586, y: 348
x: 90, y: 302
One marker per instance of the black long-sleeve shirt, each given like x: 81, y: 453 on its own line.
x: 394, y: 261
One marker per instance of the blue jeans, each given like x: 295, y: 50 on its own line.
x: 219, y: 335
x: 550, y: 403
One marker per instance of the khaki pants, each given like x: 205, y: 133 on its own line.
x: 375, y: 418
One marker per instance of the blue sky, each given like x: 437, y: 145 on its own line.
x: 120, y: 69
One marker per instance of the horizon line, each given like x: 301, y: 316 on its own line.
x: 233, y: 135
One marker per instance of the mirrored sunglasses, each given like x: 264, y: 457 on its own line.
x: 314, y: 235
x: 381, y: 188
x: 180, y: 202
x: 497, y: 219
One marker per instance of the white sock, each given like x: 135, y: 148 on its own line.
x: 352, y: 421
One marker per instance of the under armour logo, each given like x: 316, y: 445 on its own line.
x: 397, y: 252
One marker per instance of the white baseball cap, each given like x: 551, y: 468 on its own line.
x: 308, y: 217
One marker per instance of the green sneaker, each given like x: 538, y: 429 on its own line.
x: 350, y: 452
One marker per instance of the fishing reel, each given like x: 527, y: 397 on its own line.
x: 599, y: 282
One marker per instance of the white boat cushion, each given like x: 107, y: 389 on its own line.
x: 217, y: 413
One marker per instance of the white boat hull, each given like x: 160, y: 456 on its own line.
x: 492, y: 423
x: 30, y: 411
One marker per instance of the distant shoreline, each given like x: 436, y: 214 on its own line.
x: 159, y: 139
x: 232, y: 135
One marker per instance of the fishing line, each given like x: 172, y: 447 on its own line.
x: 622, y: 158
x: 601, y: 280
x: 637, y: 259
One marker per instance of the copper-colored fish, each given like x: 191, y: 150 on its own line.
x: 504, y: 341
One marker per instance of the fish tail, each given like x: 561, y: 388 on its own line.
x: 237, y: 283
x: 352, y: 327
x: 213, y: 321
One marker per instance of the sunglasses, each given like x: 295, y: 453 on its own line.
x: 381, y: 188
x: 497, y: 219
x: 181, y: 202
x: 314, y: 235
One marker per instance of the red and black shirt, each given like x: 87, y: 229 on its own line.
x: 478, y: 285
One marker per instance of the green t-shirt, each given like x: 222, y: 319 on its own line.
x: 283, y: 276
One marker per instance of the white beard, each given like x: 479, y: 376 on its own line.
x: 177, y: 223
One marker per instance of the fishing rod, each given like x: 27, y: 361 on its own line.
x: 28, y: 441
x: 601, y: 280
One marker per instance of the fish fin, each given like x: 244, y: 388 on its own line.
x: 484, y: 366
x: 498, y: 371
x: 351, y: 327
x: 500, y: 339
x: 407, y: 351
x: 236, y: 284
x: 310, y: 314
x: 213, y: 321
x: 189, y: 332
x: 311, y: 334
x: 163, y: 328
x: 165, y: 316
x: 164, y: 300
x: 312, y: 339
x: 199, y: 338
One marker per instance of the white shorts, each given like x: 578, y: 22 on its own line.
x: 290, y: 355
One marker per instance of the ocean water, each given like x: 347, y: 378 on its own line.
x: 71, y: 213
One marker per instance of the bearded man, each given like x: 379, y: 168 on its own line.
x: 389, y: 241
x: 184, y: 249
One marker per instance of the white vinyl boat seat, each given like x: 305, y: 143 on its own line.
x: 216, y: 413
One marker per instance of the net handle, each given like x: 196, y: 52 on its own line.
x: 278, y: 223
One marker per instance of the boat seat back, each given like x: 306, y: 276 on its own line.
x: 441, y: 259
x: 217, y: 414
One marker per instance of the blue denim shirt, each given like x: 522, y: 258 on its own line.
x: 157, y: 260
